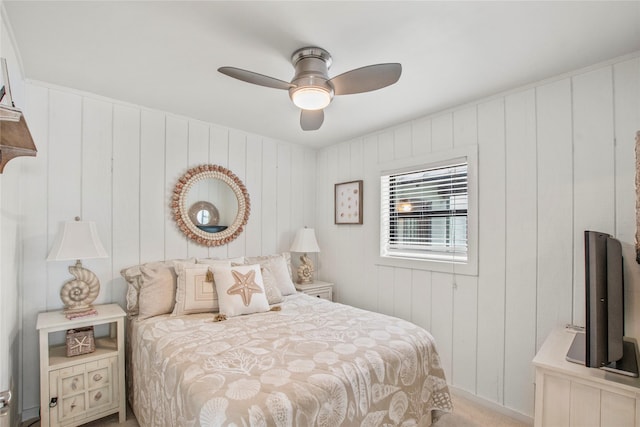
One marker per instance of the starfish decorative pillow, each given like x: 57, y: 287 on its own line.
x: 240, y: 290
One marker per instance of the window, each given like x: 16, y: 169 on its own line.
x: 425, y: 212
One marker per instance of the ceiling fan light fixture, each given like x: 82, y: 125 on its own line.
x: 311, y: 98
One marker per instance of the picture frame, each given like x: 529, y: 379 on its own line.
x: 348, y: 202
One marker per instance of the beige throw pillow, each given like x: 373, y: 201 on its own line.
x: 196, y: 293
x: 279, y: 269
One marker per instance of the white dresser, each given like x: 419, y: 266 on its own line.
x: 570, y: 394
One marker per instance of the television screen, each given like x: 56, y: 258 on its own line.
x: 602, y: 345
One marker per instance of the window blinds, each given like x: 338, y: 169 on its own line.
x: 424, y: 213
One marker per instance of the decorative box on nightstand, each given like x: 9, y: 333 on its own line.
x: 76, y: 390
x: 318, y: 289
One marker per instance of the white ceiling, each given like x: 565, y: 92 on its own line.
x: 164, y: 54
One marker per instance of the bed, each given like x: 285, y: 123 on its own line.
x: 306, y: 362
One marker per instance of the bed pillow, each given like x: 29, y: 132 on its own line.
x: 157, y: 294
x: 274, y: 296
x: 214, y: 261
x: 279, y: 269
x: 240, y: 290
x: 136, y: 282
x: 196, y: 292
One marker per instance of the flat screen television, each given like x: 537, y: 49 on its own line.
x: 602, y: 345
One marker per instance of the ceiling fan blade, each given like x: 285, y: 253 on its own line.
x: 255, y: 78
x: 311, y: 119
x: 366, y: 79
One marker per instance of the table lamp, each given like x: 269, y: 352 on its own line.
x: 78, y: 240
x: 305, y: 241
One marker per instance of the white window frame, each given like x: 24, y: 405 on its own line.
x: 470, y: 155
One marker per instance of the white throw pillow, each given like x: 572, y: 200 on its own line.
x: 240, y: 290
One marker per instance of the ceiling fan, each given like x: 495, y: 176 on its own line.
x: 311, y: 88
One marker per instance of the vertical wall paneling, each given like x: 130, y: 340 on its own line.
x: 465, y: 291
x: 594, y: 168
x: 421, y: 137
x: 35, y: 248
x: 442, y: 318
x: 491, y: 250
x: 555, y: 207
x: 117, y: 164
x: 465, y: 127
x: 385, y: 281
x: 269, y: 196
x: 330, y: 239
x: 627, y: 123
x: 308, y: 195
x: 371, y: 226
x: 96, y: 181
x: 253, y: 181
x: 521, y: 264
x: 442, y: 132
x: 402, y: 293
x: 465, y: 332
x: 285, y: 236
x: 386, y: 146
x: 421, y: 298
x: 65, y: 174
x: 154, y: 205
x: 237, y: 164
x: 298, y: 197
x: 322, y: 198
x: 126, y: 196
x: 402, y: 142
x: 176, y: 164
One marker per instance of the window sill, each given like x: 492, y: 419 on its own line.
x: 466, y: 269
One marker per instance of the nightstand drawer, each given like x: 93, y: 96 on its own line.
x: 82, y: 390
x: 325, y: 294
x: 317, y: 289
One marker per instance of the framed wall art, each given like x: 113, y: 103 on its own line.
x: 348, y: 202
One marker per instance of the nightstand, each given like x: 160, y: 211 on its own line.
x: 318, y: 289
x: 76, y: 390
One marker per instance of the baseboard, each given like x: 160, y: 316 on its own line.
x: 491, y: 405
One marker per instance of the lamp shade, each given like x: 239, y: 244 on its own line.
x: 77, y: 240
x: 305, y: 241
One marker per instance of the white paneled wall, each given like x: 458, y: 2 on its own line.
x: 554, y: 159
x: 117, y: 164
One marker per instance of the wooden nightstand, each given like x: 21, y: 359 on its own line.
x: 318, y: 289
x: 76, y: 390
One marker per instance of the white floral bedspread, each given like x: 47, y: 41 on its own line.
x: 313, y: 363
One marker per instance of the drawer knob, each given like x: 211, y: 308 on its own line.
x: 98, y: 396
x: 97, y: 377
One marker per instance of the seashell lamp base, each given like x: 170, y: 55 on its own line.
x: 78, y: 294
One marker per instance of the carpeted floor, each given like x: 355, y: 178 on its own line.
x: 465, y: 414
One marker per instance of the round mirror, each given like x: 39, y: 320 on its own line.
x: 210, y: 205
